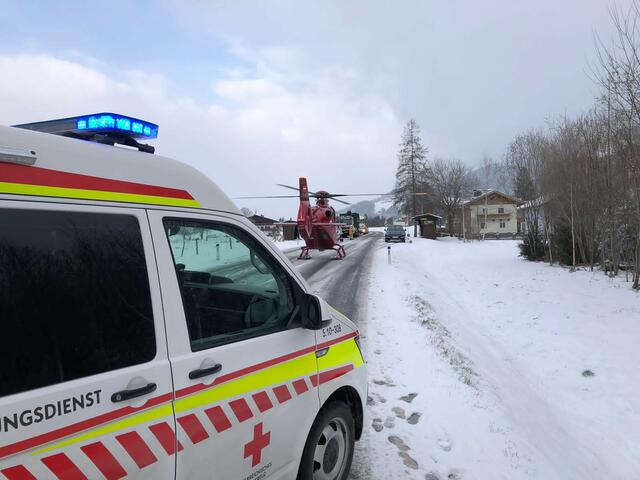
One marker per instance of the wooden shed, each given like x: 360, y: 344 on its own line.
x: 428, y: 223
x: 290, y: 230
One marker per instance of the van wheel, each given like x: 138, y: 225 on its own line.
x: 328, y: 451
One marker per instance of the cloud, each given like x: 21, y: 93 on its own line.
x: 266, y: 120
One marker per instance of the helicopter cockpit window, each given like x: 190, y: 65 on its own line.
x: 232, y: 289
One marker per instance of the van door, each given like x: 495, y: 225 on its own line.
x: 85, y: 382
x: 243, y: 366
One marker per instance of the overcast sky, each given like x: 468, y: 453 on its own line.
x: 258, y: 93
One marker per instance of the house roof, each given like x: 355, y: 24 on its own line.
x: 475, y: 200
x: 262, y: 220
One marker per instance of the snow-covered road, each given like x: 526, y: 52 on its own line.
x: 486, y: 366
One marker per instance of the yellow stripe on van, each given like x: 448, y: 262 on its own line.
x: 341, y: 354
x: 61, y: 192
x: 129, y: 422
x: 298, y: 367
x: 283, y: 372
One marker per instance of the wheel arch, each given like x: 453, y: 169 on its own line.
x: 352, y: 399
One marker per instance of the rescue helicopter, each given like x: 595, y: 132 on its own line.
x: 316, y: 224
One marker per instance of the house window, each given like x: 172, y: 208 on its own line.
x: 503, y: 224
x: 501, y: 210
x: 482, y: 225
x: 484, y: 210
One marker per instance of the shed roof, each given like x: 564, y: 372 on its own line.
x: 262, y: 220
x: 427, y: 215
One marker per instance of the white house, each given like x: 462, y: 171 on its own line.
x: 491, y: 213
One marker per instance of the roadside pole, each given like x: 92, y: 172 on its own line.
x: 464, y: 230
x: 389, y: 254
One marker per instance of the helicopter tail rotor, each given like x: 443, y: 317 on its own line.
x: 304, y: 190
x: 305, y: 222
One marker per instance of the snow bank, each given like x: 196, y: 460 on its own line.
x: 498, y: 351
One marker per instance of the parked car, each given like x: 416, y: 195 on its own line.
x: 395, y: 233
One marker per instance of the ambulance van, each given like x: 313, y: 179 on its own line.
x: 149, y: 330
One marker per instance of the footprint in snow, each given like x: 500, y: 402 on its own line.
x: 399, y: 411
x: 377, y: 397
x: 370, y: 401
x: 398, y: 442
x: 414, y: 418
x: 407, y: 459
x: 377, y: 424
x: 409, y: 397
x: 387, y: 382
x: 431, y: 476
x: 377, y: 351
x: 390, y: 422
x: 444, y: 444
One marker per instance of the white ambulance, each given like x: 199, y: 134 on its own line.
x: 149, y: 330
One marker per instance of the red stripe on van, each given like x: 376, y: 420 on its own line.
x: 329, y: 375
x: 218, y: 418
x: 104, y: 460
x: 55, y: 178
x: 53, y: 435
x: 282, y: 393
x: 300, y: 386
x: 48, y: 437
x: 193, y: 428
x: 167, y: 437
x: 19, y: 472
x: 63, y: 468
x: 262, y: 400
x: 241, y: 409
x: 137, y: 449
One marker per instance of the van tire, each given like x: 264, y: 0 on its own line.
x: 336, y: 421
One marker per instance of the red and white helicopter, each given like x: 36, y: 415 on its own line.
x: 317, y: 224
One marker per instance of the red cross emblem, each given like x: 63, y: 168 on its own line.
x: 255, y: 446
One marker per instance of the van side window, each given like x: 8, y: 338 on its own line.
x: 232, y: 289
x: 74, y: 297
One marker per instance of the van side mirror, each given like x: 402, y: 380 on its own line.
x: 312, y: 313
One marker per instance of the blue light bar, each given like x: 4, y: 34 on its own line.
x: 111, y: 122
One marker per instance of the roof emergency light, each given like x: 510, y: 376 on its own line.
x: 109, y: 128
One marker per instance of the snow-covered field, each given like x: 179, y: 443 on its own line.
x: 485, y: 366
x: 287, y: 245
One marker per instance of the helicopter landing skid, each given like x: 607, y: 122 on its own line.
x: 340, y: 252
x: 304, y: 253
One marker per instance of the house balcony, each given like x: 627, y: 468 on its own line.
x: 493, y: 214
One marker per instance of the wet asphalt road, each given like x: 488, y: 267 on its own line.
x: 342, y: 283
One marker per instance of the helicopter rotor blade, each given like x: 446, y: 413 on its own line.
x: 357, y: 194
x: 313, y: 194
x: 336, y: 200
x: 288, y: 186
x: 266, y: 196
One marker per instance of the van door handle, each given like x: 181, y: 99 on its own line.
x: 203, y: 372
x: 123, y: 395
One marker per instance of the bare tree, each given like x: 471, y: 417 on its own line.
x: 450, y: 180
x: 618, y: 74
x: 411, y: 172
x: 580, y: 179
x: 525, y: 161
